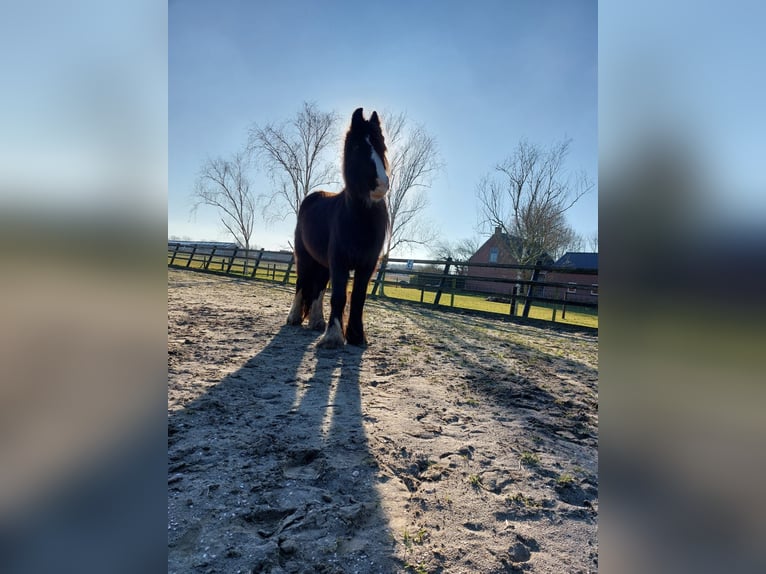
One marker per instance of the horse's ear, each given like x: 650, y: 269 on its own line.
x: 357, y: 120
x: 374, y: 119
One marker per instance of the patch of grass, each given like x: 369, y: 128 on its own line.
x: 410, y: 539
x: 407, y: 539
x: 530, y: 459
x: 523, y: 500
x: 475, y: 480
x: 420, y: 536
x: 533, y: 359
x: 418, y: 568
x: 565, y: 480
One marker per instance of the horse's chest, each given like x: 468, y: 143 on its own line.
x: 359, y: 240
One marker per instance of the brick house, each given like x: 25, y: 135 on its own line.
x: 583, y: 287
x: 496, y: 249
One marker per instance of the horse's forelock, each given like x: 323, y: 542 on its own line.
x: 365, y: 141
x: 367, y: 134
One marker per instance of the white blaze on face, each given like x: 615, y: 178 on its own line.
x: 382, y: 180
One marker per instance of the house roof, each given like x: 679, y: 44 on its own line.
x: 509, y: 243
x: 578, y: 260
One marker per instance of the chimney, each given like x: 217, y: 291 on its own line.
x: 498, y: 230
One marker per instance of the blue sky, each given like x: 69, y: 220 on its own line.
x: 479, y: 76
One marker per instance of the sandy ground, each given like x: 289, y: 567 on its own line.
x: 453, y: 443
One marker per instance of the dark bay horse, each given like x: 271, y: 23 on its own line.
x: 340, y: 232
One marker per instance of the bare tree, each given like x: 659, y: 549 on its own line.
x: 224, y: 184
x: 413, y: 160
x: 527, y: 198
x: 459, y: 251
x: 575, y: 244
x: 294, y: 155
x: 581, y: 243
x: 593, y: 241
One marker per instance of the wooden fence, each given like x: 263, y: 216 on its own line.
x: 252, y: 263
x: 433, y: 282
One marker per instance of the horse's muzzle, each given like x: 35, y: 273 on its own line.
x: 380, y: 191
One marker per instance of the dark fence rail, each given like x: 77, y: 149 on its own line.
x: 552, y: 293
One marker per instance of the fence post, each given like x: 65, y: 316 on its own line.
x: 209, y: 259
x: 379, y: 278
x: 442, y: 280
x: 514, y: 293
x: 530, y: 287
x: 289, y: 268
x: 173, y: 258
x: 257, y: 263
x: 247, y: 260
x: 564, y: 306
x: 191, y: 256
x: 231, y: 259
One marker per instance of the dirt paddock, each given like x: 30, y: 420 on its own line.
x: 453, y: 443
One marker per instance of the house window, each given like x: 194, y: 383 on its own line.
x: 594, y: 289
x: 572, y: 287
x: 493, y: 254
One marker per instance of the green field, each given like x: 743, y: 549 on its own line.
x: 574, y: 316
x: 275, y: 272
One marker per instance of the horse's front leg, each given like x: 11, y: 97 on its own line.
x: 355, y: 330
x: 333, y: 335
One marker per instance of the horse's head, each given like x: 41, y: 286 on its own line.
x: 365, y: 167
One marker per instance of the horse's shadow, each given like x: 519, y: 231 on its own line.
x: 271, y: 468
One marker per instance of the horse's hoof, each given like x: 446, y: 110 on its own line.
x: 357, y: 341
x: 318, y: 326
x: 333, y: 337
x: 355, y: 335
x: 293, y: 319
x: 324, y: 343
